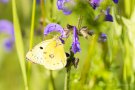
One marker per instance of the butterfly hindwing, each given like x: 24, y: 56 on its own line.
x: 56, y: 58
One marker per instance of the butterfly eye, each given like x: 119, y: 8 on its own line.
x: 41, y: 47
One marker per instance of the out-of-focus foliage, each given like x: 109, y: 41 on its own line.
x: 108, y: 65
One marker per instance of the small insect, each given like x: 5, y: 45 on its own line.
x: 49, y: 53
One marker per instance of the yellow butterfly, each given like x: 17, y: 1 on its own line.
x: 49, y: 53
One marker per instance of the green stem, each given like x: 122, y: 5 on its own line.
x: 51, y: 9
x: 31, y: 35
x: 127, y: 4
x: 52, y: 80
x: 79, y: 22
x: 42, y: 4
x: 67, y: 79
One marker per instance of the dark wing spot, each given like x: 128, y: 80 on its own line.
x: 41, y: 47
x: 59, y: 44
x: 51, y: 56
x: 27, y: 58
x: 44, y: 52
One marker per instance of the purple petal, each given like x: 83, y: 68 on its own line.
x: 7, y: 27
x: 108, y: 10
x: 102, y: 37
x: 61, y: 4
x: 62, y: 40
x: 38, y: 1
x: 8, y: 44
x: 95, y: 3
x: 108, y: 16
x: 115, y: 1
x: 66, y: 11
x: 54, y: 27
x: 4, y: 1
x: 75, y: 44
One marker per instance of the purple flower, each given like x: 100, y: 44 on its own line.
x: 4, y: 1
x: 6, y: 27
x: 38, y: 1
x: 65, y: 6
x: 95, y: 3
x: 115, y: 1
x: 108, y: 16
x: 102, y: 37
x: 54, y: 27
x: 62, y: 40
x: 8, y: 44
x: 75, y: 44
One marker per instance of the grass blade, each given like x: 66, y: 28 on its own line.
x: 32, y: 24
x: 19, y: 43
x: 31, y: 37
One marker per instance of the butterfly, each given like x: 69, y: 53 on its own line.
x: 49, y: 53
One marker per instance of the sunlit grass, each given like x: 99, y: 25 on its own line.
x: 19, y: 43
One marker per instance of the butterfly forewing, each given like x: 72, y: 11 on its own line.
x: 36, y: 54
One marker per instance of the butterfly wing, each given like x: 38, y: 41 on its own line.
x: 56, y: 58
x: 49, y: 53
x: 36, y: 54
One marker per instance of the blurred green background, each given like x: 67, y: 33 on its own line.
x: 107, y: 65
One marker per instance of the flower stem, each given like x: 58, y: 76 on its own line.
x: 80, y: 19
x: 67, y: 78
x: 51, y: 9
x: 42, y: 4
x: 52, y: 80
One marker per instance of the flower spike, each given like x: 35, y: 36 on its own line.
x: 75, y: 44
x: 108, y: 16
x: 64, y: 5
x: 95, y: 3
